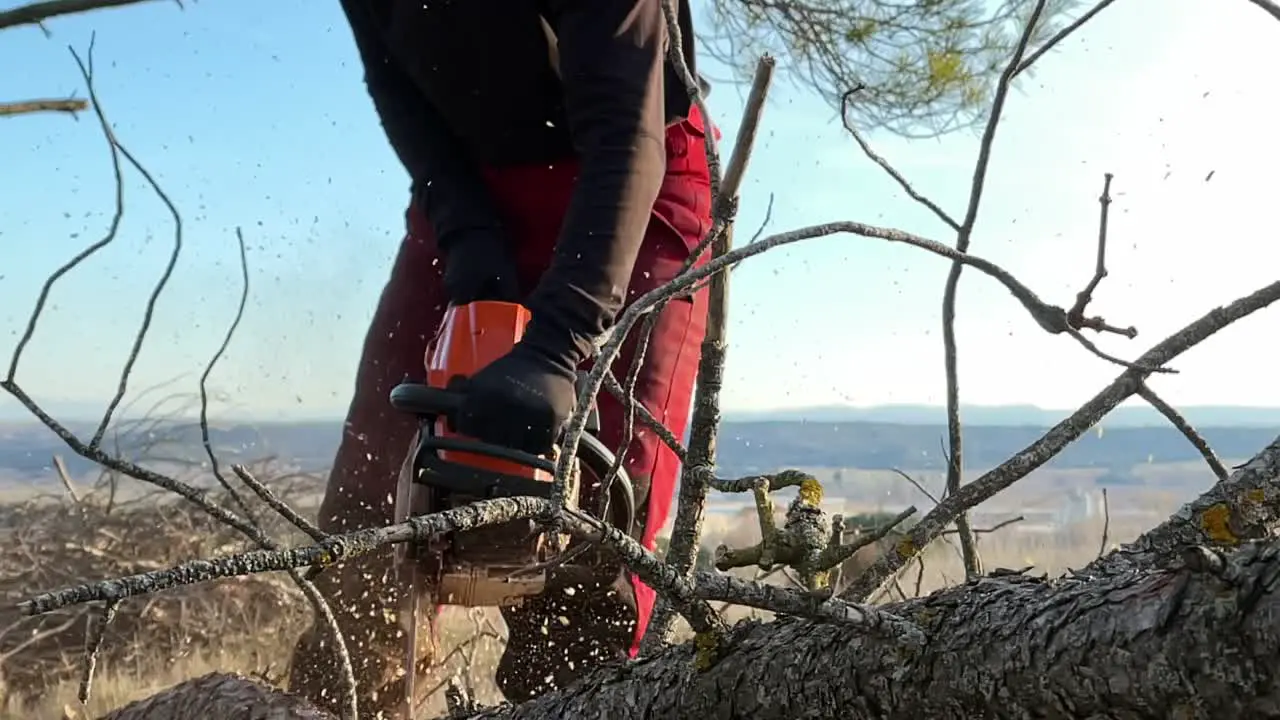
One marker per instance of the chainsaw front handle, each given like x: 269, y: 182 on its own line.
x: 425, y: 400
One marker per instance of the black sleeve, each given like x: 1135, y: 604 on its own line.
x: 446, y: 182
x: 611, y: 65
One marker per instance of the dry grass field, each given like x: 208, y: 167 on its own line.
x: 248, y: 625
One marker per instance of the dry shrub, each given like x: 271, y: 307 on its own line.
x: 49, y: 542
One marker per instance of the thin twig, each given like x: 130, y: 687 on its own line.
x: 281, y: 507
x: 1057, y: 438
x: 92, y: 450
x: 64, y: 477
x: 94, y: 633
x: 1075, y: 316
x: 214, y: 467
x: 845, y: 102
x: 690, y: 506
x: 1106, y: 525
x: 1186, y: 428
x: 955, y: 443
x: 1064, y: 33
x: 38, y: 12
x: 662, y: 431
x: 27, y: 107
x: 150, y: 307
x: 917, y: 485
x: 994, y: 528
x: 107, y: 238
x: 1270, y: 7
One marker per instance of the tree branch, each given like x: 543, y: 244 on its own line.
x: 1186, y: 428
x: 1037, y: 645
x: 27, y: 107
x: 955, y: 441
x: 1064, y: 433
x: 1244, y: 507
x: 37, y: 13
x: 92, y: 450
x: 1269, y: 7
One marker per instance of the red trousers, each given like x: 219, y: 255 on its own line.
x: 606, y: 623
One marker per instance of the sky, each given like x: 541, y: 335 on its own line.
x: 253, y: 114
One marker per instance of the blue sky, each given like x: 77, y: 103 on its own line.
x: 253, y: 113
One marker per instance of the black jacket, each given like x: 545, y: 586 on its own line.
x: 463, y: 83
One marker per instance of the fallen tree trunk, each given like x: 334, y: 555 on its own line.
x: 1196, y: 641
x: 1199, y: 641
x: 220, y: 696
x: 1158, y: 629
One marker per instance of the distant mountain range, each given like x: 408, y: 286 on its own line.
x: 913, y: 440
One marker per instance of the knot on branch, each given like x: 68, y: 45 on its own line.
x: 726, y: 208
x: 810, y: 541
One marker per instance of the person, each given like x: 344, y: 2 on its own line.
x: 555, y: 160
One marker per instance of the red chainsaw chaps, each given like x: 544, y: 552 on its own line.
x: 532, y: 201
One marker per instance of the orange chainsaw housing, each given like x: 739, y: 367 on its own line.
x: 471, y: 337
x: 497, y: 565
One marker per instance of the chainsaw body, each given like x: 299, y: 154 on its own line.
x: 502, y: 564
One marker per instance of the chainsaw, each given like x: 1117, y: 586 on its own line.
x: 503, y: 564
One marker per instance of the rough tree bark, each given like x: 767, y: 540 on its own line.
x: 220, y: 696
x: 1181, y: 643
x: 1162, y: 628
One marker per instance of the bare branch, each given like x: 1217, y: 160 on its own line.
x: 1186, y: 428
x: 1064, y: 33
x: 1202, y: 624
x: 69, y: 106
x: 264, y: 493
x: 96, y: 627
x: 955, y: 448
x: 64, y: 477
x: 85, y: 254
x: 37, y: 13
x: 1106, y: 524
x: 994, y: 528
x: 663, y: 432
x: 86, y: 71
x: 92, y: 450
x: 1270, y: 7
x: 1244, y: 507
x: 334, y: 549
x: 1075, y: 316
x: 1057, y: 438
x: 204, y: 381
x: 887, y: 166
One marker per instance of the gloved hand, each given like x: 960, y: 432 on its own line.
x: 520, y: 401
x: 479, y: 266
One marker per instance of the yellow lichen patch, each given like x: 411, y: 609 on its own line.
x: 1256, y: 495
x: 811, y: 492
x: 906, y: 548
x: 707, y: 645
x: 1216, y: 522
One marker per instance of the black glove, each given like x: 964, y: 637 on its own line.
x: 478, y: 266
x: 520, y: 401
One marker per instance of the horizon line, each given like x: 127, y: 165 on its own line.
x: 780, y: 414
